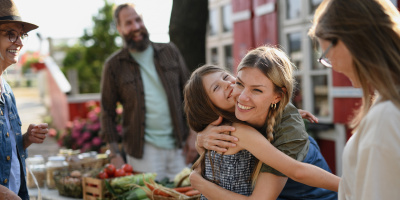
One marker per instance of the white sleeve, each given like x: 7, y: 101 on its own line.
x: 378, y: 160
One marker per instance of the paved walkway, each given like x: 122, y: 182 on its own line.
x: 31, y: 110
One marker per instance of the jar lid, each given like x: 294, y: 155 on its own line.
x: 34, y: 160
x: 84, y: 155
x: 56, y: 158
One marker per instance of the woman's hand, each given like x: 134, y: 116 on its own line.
x: 35, y: 134
x: 307, y: 115
x: 6, y: 194
x: 212, y: 139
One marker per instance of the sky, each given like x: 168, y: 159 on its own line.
x: 60, y: 19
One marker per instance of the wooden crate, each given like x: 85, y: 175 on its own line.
x: 94, y: 188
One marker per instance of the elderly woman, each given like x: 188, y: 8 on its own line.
x: 13, y: 144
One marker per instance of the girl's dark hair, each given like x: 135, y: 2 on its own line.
x: 200, y: 111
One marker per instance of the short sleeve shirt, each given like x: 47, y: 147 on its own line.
x: 290, y: 137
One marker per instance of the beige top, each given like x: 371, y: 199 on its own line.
x: 371, y: 158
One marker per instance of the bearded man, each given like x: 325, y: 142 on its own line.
x: 147, y: 79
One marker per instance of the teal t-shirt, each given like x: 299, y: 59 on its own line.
x: 158, y: 128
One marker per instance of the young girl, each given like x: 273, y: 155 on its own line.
x: 209, y: 94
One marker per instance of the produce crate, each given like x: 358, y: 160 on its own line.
x: 94, y: 188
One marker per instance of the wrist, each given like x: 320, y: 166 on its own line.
x: 114, y: 155
x: 25, y: 140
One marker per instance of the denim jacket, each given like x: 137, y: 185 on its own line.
x: 5, y: 141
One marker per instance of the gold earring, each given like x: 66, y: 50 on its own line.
x: 273, y: 105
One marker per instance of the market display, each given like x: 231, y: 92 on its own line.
x: 91, y: 176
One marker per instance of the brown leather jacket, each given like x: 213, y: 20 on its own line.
x: 121, y: 82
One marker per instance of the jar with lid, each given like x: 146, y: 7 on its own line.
x: 54, y: 163
x: 35, y: 168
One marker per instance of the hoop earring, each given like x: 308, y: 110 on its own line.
x: 273, y: 105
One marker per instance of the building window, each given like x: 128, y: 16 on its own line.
x: 295, y: 53
x: 298, y: 93
x: 214, y: 56
x: 314, y: 5
x: 227, y: 24
x: 228, y: 57
x: 315, y: 54
x: 394, y: 2
x: 320, y: 93
x: 293, y: 9
x: 213, y: 24
x: 313, y: 79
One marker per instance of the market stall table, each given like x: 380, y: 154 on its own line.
x: 48, y: 194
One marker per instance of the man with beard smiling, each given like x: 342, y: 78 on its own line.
x: 147, y: 79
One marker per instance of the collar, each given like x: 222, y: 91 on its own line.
x: 157, y: 47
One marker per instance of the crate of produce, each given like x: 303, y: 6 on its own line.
x: 94, y: 188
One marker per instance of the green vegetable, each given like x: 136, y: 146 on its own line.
x: 166, y: 183
x: 136, y: 194
x: 123, y: 184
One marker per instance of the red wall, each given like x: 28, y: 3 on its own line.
x: 328, y: 151
x: 78, y: 110
x: 265, y: 26
x: 243, y: 32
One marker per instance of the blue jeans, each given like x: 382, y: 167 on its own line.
x: 296, y: 190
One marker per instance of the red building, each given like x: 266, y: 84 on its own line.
x: 236, y: 26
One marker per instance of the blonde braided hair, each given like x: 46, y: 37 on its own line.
x: 276, y: 66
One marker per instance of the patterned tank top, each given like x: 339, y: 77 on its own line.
x: 232, y: 172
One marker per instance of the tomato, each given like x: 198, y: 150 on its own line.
x: 128, y: 173
x: 103, y: 175
x: 110, y: 170
x: 127, y: 168
x: 119, y: 173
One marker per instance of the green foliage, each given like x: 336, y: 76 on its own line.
x: 27, y: 65
x: 89, y: 55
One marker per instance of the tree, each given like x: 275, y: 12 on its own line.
x: 88, y: 56
x: 187, y: 30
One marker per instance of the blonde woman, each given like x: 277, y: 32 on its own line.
x: 211, y: 93
x: 361, y: 39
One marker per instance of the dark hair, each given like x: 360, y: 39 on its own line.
x: 118, y: 10
x: 200, y: 111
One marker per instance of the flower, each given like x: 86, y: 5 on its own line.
x: 84, y: 134
x: 52, y: 132
x: 96, y: 141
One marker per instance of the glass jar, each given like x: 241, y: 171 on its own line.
x: 35, y: 167
x: 54, y: 163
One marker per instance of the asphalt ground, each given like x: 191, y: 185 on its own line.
x: 32, y: 110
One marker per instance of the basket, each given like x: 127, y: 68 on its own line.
x: 68, y: 186
x: 87, y: 164
x: 159, y: 197
x: 176, y: 196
